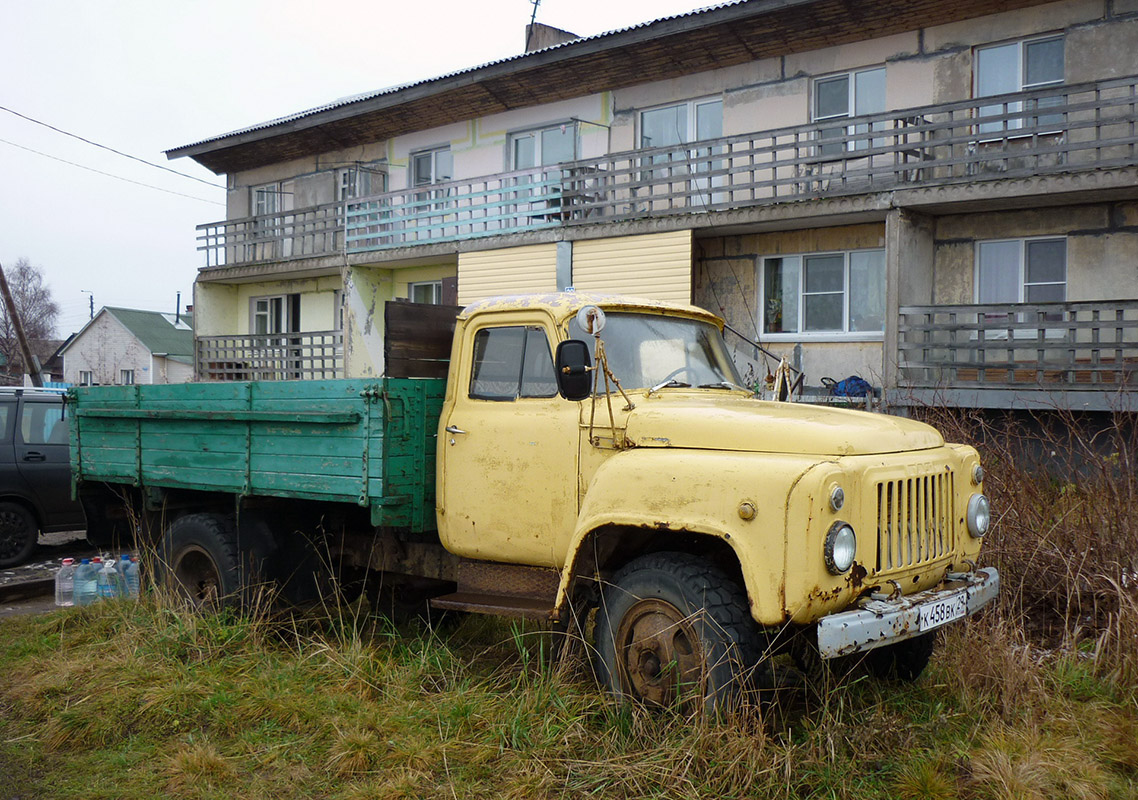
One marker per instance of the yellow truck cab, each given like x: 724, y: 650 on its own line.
x: 705, y: 524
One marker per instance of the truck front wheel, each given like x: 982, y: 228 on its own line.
x: 903, y: 661
x: 673, y: 629
x: 199, y: 559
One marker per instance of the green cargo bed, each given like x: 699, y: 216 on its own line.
x: 365, y: 442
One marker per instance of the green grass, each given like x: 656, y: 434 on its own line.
x: 145, y: 700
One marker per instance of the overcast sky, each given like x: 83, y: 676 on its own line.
x: 145, y: 76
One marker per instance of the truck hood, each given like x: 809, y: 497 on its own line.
x: 735, y: 422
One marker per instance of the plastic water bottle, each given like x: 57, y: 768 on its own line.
x: 65, y: 583
x: 108, y: 580
x: 129, y: 570
x: 86, y: 583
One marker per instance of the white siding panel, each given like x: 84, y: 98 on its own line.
x: 656, y: 266
x: 515, y: 270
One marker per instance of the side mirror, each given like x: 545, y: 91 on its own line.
x: 573, y: 362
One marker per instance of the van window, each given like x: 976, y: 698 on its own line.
x: 42, y: 423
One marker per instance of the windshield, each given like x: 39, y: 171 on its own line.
x: 646, y: 350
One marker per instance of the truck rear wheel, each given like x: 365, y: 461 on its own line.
x: 673, y: 629
x: 199, y: 559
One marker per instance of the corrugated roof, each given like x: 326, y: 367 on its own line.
x: 364, y: 96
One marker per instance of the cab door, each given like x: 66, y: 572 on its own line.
x: 508, y: 459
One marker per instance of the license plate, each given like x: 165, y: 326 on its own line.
x: 940, y: 612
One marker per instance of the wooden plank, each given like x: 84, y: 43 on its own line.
x: 418, y: 339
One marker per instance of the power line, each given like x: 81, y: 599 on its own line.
x: 112, y: 175
x: 110, y: 149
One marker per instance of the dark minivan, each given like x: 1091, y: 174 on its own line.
x: 35, y: 471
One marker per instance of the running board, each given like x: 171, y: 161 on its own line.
x: 500, y: 605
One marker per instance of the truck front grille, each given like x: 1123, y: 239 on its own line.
x: 914, y: 520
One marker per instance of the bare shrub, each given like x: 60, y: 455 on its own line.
x: 1064, y: 494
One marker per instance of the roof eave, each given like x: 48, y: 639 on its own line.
x: 518, y: 64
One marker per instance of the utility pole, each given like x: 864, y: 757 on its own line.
x: 31, y: 363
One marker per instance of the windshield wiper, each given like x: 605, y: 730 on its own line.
x: 670, y: 382
x: 723, y: 385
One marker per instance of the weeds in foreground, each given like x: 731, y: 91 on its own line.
x: 1036, y: 699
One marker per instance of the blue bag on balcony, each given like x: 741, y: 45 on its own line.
x: 853, y: 386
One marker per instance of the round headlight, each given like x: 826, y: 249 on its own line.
x: 837, y: 498
x: 979, y: 515
x: 977, y: 474
x: 840, y: 548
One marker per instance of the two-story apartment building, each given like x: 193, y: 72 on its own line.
x: 939, y: 197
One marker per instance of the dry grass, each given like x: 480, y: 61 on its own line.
x: 1038, y: 698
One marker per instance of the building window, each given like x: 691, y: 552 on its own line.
x: 361, y: 180
x: 544, y: 147
x: 1019, y: 67
x: 425, y: 292
x: 681, y: 123
x: 266, y: 199
x: 825, y: 293
x: 1022, y: 271
x: 432, y: 166
x: 279, y: 314
x: 126, y: 377
x: 512, y: 362
x: 86, y: 378
x: 850, y: 94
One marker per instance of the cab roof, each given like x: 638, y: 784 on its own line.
x: 562, y: 305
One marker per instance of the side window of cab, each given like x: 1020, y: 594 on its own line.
x: 512, y: 362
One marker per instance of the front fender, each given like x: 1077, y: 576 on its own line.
x: 700, y: 492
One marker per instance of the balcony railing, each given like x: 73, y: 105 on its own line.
x: 270, y: 357
x: 1045, y: 131
x: 1089, y: 345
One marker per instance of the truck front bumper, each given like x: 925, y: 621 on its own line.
x: 879, y: 622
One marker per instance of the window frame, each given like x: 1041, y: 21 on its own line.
x: 800, y: 335
x: 691, y: 135
x: 265, y: 190
x: 437, y: 287
x: 851, y: 108
x: 433, y: 154
x: 86, y: 377
x: 536, y: 134
x: 1021, y: 45
x: 126, y: 377
x: 527, y: 329
x: 1021, y: 277
x: 289, y: 325
x: 348, y: 181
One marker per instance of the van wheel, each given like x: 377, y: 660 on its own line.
x: 18, y: 534
x: 675, y: 630
x: 903, y: 661
x: 200, y: 561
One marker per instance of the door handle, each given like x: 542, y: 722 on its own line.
x: 454, y: 429
x: 32, y: 455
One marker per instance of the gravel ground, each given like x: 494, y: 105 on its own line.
x: 53, y: 548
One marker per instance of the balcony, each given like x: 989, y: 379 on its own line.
x: 1061, y: 352
x: 270, y: 357
x: 1061, y: 129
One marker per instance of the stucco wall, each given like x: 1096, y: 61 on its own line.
x: 366, y: 289
x: 1102, y: 248
x: 726, y: 283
